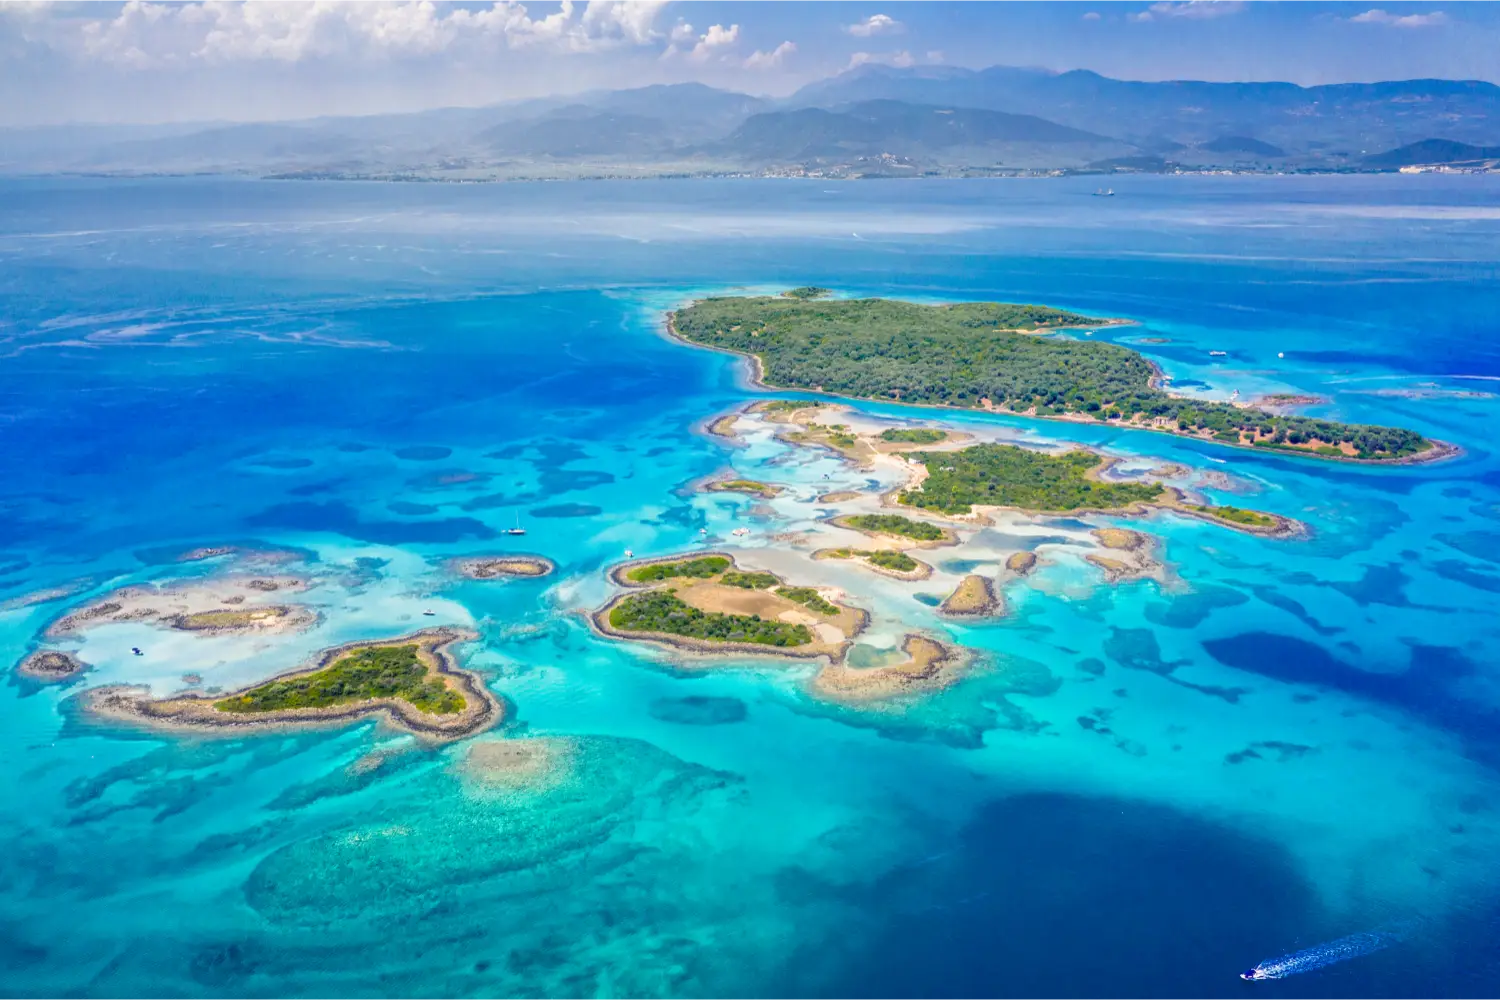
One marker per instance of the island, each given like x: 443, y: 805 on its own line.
x: 50, y: 666
x: 1021, y: 563
x: 975, y: 595
x: 751, y: 487
x: 954, y: 483
x: 999, y: 356
x: 706, y: 603
x: 1132, y: 555
x: 913, y: 435
x: 921, y: 534
x: 500, y: 567
x: 412, y: 681
x: 890, y: 562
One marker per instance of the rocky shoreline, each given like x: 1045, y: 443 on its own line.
x: 974, y: 597
x: 49, y: 666
x: 499, y: 567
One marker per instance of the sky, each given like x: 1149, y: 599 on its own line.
x: 214, y: 60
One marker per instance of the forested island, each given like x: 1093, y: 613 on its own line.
x: 413, y: 681
x: 707, y: 603
x: 1003, y: 475
x: 988, y: 355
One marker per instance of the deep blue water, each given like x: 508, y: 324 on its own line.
x: 1148, y: 789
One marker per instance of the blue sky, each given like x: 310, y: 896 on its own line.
x: 150, y: 62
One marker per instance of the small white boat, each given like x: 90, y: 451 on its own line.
x: 1218, y: 354
x: 517, y: 530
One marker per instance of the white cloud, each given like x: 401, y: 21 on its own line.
x: 1196, y: 10
x: 772, y: 59
x: 712, y: 42
x: 29, y: 8
x: 629, y: 20
x: 1378, y: 16
x: 144, y: 34
x: 1092, y: 15
x: 875, y: 24
x: 717, y: 43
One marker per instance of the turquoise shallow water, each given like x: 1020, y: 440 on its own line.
x: 1141, y: 791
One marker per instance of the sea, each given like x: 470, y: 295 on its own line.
x: 1142, y: 789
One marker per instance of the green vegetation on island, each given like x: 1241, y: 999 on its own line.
x: 1004, y: 475
x: 970, y: 355
x: 913, y: 435
x: 838, y: 435
x: 892, y: 559
x: 371, y: 673
x: 1238, y: 515
x: 749, y: 580
x: 809, y: 597
x: 895, y: 524
x: 700, y: 569
x: 806, y: 293
x: 753, y: 487
x: 662, y: 611
x: 783, y: 405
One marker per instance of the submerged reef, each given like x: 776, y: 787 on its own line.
x: 564, y: 801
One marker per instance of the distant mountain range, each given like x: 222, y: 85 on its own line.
x: 870, y: 121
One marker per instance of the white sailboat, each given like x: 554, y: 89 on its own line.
x: 517, y: 530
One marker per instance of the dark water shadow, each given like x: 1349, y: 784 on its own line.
x: 1063, y: 895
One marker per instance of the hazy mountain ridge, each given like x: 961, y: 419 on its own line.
x: 874, y: 119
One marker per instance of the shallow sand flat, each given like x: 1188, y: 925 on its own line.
x: 237, y: 603
x: 860, y: 557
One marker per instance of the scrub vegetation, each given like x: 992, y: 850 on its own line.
x: 895, y: 524
x: 698, y: 569
x: 377, y: 672
x: 664, y: 611
x: 987, y: 354
x: 1003, y: 475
